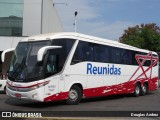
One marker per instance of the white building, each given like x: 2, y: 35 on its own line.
x: 22, y: 18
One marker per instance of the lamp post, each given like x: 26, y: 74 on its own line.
x: 41, y: 17
x: 75, y: 22
x: 60, y: 4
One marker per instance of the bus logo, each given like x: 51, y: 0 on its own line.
x: 107, y: 70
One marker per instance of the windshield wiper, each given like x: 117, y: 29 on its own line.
x: 20, y: 66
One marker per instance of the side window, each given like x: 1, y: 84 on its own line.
x: 78, y: 55
x: 156, y: 63
x: 51, y: 65
x: 55, y: 58
x: 66, y: 45
x: 127, y: 57
x: 115, y: 55
x: 147, y: 62
x: 87, y: 51
x: 63, y: 52
x: 84, y: 52
x: 101, y: 53
x: 134, y: 61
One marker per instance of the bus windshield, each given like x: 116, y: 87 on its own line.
x: 24, y: 65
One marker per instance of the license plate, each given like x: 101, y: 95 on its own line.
x: 18, y: 95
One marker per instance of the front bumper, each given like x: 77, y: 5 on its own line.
x: 36, y: 95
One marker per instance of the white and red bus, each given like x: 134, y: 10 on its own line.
x: 72, y: 66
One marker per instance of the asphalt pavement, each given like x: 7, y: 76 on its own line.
x: 111, y: 105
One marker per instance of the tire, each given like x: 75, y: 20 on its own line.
x: 5, y: 89
x: 137, y: 90
x: 144, y: 89
x: 74, y: 96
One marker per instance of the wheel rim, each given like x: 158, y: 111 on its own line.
x: 137, y: 90
x: 73, y: 95
x: 144, y: 89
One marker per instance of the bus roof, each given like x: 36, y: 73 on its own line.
x: 83, y: 37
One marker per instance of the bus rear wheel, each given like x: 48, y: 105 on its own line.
x: 137, y: 90
x: 74, y: 96
x: 144, y: 89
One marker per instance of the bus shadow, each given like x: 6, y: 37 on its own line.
x: 2, y: 92
x: 111, y: 97
x: 34, y: 104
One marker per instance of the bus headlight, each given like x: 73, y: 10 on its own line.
x: 39, y: 85
x: 26, y: 88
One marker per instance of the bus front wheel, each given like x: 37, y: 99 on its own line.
x: 74, y: 96
x: 137, y: 90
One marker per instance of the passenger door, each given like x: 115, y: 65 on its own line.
x: 51, y: 89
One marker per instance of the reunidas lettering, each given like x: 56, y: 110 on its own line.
x: 108, y: 70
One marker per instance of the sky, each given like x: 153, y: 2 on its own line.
x: 107, y: 18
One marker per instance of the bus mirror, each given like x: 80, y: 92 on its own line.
x: 6, y: 58
x: 42, y: 51
x: 6, y: 52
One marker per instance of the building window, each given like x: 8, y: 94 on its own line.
x: 11, y: 17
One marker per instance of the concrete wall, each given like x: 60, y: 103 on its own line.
x: 31, y: 17
x: 50, y: 21
x: 9, y: 42
x: 34, y: 10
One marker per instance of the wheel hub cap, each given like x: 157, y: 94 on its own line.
x: 73, y: 95
x: 137, y: 90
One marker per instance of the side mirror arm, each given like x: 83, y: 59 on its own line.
x: 6, y: 51
x: 42, y: 51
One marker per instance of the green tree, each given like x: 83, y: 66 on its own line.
x: 145, y: 36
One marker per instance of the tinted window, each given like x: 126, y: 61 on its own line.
x: 52, y: 65
x: 64, y: 51
x: 145, y: 62
x: 84, y: 52
x: 66, y: 45
x: 127, y: 57
x: 116, y: 55
x: 101, y: 53
x: 134, y: 61
x: 57, y: 57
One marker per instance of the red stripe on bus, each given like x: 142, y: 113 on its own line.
x: 46, y: 82
x: 127, y: 87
